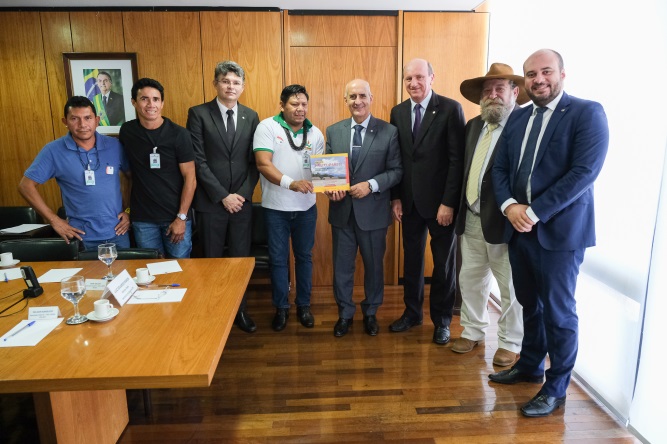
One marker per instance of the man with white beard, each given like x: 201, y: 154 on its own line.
x: 481, y: 224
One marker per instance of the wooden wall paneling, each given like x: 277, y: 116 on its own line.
x: 25, y: 111
x: 214, y: 48
x: 456, y: 44
x: 97, y: 31
x: 342, y: 30
x: 57, y: 38
x: 168, y: 47
x: 255, y: 42
x: 325, y: 71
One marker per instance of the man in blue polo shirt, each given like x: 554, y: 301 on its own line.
x: 86, y: 166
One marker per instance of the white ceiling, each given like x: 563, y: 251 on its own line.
x: 383, y: 5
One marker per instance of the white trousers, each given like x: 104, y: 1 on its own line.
x: 481, y: 263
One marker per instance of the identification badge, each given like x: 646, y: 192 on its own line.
x: 306, y: 159
x: 90, y: 177
x: 155, y: 159
x: 109, y: 169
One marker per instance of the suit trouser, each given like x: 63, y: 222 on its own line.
x: 545, y: 282
x: 481, y: 263
x: 372, y: 245
x: 220, y: 228
x: 443, y: 280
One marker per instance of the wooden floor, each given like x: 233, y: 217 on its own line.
x: 304, y: 385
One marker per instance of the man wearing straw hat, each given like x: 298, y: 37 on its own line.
x: 480, y: 222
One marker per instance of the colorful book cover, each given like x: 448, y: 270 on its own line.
x: 330, y: 172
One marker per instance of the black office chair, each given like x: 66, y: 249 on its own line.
x: 41, y: 249
x: 259, y: 244
x: 123, y: 254
x: 13, y: 216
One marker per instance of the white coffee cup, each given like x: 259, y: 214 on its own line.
x: 6, y: 258
x: 103, y: 308
x: 143, y: 275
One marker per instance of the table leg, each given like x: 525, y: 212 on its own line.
x: 82, y: 416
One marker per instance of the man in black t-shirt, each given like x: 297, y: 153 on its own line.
x: 163, y: 174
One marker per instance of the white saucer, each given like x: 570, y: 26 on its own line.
x: 150, y: 279
x: 10, y: 264
x: 93, y: 317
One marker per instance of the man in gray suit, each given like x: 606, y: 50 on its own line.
x: 222, y: 132
x: 359, y: 218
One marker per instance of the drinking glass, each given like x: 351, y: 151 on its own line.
x: 107, y: 253
x: 73, y: 288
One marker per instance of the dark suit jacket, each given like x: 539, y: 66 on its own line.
x: 493, y: 220
x: 379, y: 159
x: 568, y: 161
x: 222, y: 169
x: 115, y: 109
x: 433, y: 165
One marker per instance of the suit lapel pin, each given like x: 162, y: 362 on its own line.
x: 371, y: 131
x: 243, y: 117
x: 434, y: 112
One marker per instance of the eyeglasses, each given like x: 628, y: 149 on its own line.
x: 228, y: 82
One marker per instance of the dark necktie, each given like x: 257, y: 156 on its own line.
x: 105, y: 101
x: 526, y: 166
x: 418, y: 121
x: 230, y: 126
x: 356, y: 145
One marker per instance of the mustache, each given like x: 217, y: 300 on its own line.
x: 496, y: 101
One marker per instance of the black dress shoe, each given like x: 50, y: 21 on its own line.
x: 371, y: 325
x: 341, y: 327
x: 542, y: 405
x: 441, y: 335
x: 245, y: 322
x: 280, y: 319
x: 305, y: 316
x: 513, y: 376
x: 403, y: 324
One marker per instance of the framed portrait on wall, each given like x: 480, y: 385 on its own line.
x: 106, y: 79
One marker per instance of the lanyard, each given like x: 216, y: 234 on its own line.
x: 87, y: 162
x: 158, y: 132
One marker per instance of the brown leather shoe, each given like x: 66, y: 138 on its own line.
x: 503, y: 357
x: 463, y: 345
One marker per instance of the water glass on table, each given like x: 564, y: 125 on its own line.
x: 73, y: 288
x: 107, y: 253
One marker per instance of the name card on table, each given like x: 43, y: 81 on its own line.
x: 41, y: 313
x: 122, y: 287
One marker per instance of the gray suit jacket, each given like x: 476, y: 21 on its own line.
x: 493, y: 220
x: 379, y: 159
x: 222, y: 169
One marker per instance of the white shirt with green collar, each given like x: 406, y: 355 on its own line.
x: 271, y: 135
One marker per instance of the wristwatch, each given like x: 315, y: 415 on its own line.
x: 182, y: 216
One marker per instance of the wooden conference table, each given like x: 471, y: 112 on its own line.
x: 78, y: 373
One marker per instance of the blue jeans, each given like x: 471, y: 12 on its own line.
x: 122, y: 241
x: 154, y: 235
x: 300, y: 225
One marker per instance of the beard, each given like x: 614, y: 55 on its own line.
x: 494, y: 110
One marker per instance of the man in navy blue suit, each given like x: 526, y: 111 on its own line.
x: 548, y: 157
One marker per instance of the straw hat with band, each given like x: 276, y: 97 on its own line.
x: 472, y: 89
